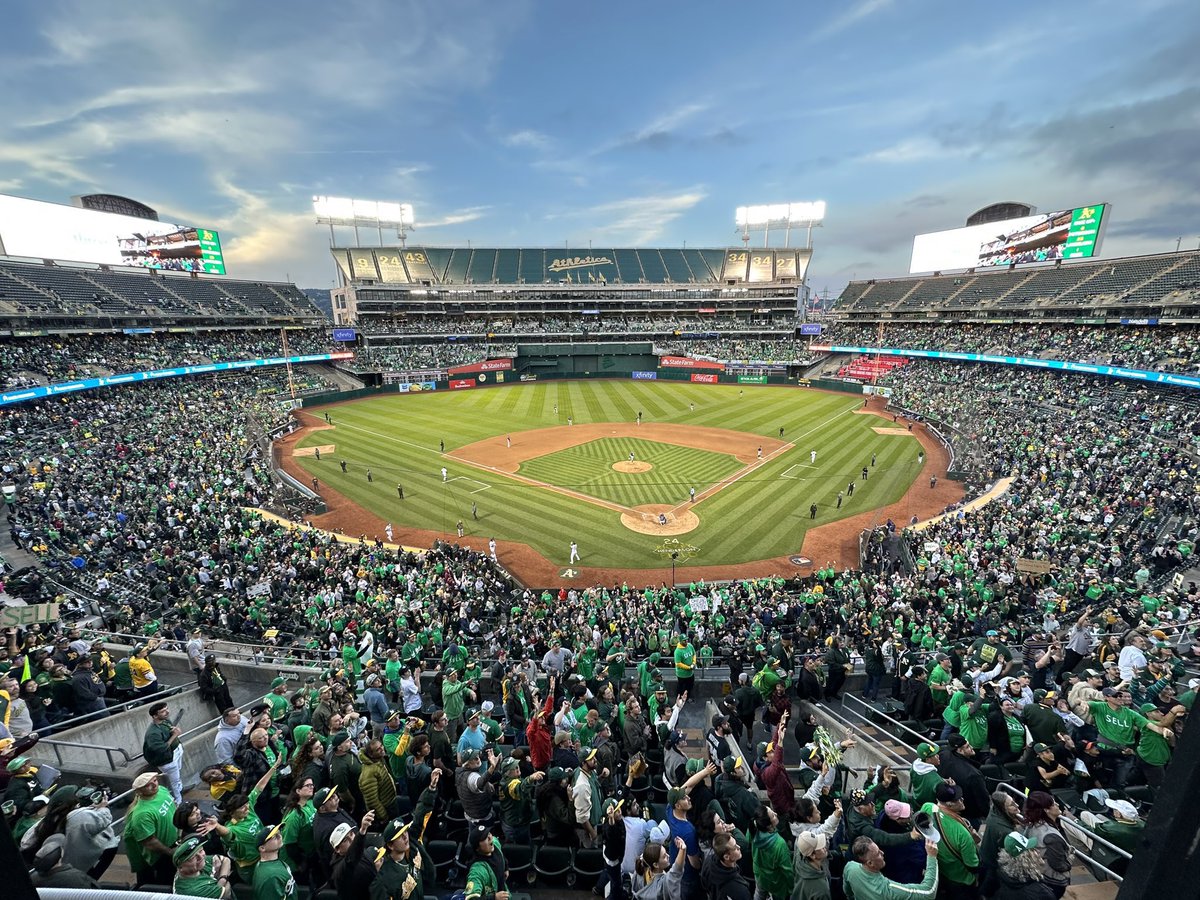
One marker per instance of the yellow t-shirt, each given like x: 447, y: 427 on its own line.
x: 141, y: 672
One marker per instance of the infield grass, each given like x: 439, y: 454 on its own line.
x: 759, y: 516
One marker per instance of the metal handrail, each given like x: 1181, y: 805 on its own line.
x: 879, y: 745
x: 108, y: 751
x: 109, y: 710
x: 848, y: 696
x: 1079, y: 829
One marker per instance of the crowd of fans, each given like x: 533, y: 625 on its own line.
x: 1070, y: 680
x: 1174, y: 348
x: 29, y: 361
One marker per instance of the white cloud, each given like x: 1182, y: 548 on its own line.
x: 458, y: 217
x: 636, y: 220
x: 527, y: 138
x: 864, y: 9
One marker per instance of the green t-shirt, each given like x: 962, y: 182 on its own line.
x: 273, y: 880
x: 1153, y: 748
x: 279, y: 706
x: 202, y: 884
x: 1117, y: 726
x: 297, y: 829
x: 242, y: 840
x: 150, y: 818
x: 685, y: 661
x: 1016, y: 732
x: 939, y: 676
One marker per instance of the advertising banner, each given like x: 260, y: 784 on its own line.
x: 704, y: 378
x: 345, y: 335
x: 415, y: 387
x: 488, y: 365
x: 752, y: 379
x: 531, y: 376
x: 87, y: 384
x: 458, y: 384
x: 1145, y: 375
x: 645, y: 376
x: 810, y: 328
x: 685, y: 362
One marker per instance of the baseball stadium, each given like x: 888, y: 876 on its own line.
x: 635, y: 567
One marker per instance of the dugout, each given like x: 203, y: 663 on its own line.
x: 569, y: 360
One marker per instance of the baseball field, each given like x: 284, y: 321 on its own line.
x: 539, y: 466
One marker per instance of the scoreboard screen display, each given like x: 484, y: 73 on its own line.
x: 39, y: 230
x: 1045, y: 237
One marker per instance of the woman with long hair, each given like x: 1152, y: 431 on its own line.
x: 1003, y: 819
x: 298, y: 815
x: 655, y: 876
x: 309, y: 761
x: 1042, y: 814
x: 1021, y: 870
x: 61, y: 803
x: 241, y: 826
x: 555, y: 811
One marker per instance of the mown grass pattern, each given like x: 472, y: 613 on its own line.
x: 759, y: 516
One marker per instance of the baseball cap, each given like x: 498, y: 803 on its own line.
x: 339, y: 834
x: 927, y: 750
x: 487, y: 706
x: 267, y: 833
x: 1039, y: 747
x: 858, y: 797
x: 992, y: 632
x: 394, y: 829
x: 956, y: 741
x: 948, y: 793
x: 1016, y: 843
x: 1050, y: 695
x: 660, y: 833
x: 478, y: 833
x: 1092, y: 673
x: 186, y: 850
x: 718, y: 720
x: 472, y: 713
x: 556, y: 773
x: 321, y: 796
x: 278, y: 681
x: 1110, y: 692
x: 589, y: 756
x: 674, y: 795
x: 809, y: 842
x: 1193, y: 683
x: 1123, y: 808
x: 731, y: 764
x: 897, y: 809
x: 470, y: 755
x: 674, y: 738
x: 612, y: 803
x: 338, y: 739
x: 693, y: 765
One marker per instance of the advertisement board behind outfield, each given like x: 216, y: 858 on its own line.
x: 457, y: 384
x: 704, y: 378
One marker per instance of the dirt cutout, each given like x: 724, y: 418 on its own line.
x: 657, y: 518
x: 636, y: 467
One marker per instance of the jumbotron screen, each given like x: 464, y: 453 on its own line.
x: 1044, y: 237
x: 41, y: 230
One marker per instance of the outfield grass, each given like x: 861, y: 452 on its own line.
x: 759, y: 516
x: 588, y: 469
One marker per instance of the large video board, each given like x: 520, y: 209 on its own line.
x: 53, y: 231
x: 1044, y: 237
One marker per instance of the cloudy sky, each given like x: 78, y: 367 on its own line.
x: 526, y: 123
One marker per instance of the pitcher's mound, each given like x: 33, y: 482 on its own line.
x: 646, y: 520
x: 633, y: 467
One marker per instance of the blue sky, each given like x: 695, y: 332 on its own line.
x: 529, y: 124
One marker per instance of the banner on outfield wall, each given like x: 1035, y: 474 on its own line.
x: 752, y: 379
x: 704, y: 378
x: 1057, y: 365
x: 810, y: 328
x: 530, y: 376
x: 487, y: 365
x: 460, y: 383
x: 415, y: 387
x: 485, y: 377
x: 87, y: 384
x: 644, y: 376
x: 686, y: 362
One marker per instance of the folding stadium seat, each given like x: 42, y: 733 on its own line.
x: 995, y: 775
x: 520, y: 863
x: 554, y: 864
x: 443, y: 854
x: 588, y: 866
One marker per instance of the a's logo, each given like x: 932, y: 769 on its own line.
x: 1087, y: 212
x: 578, y: 262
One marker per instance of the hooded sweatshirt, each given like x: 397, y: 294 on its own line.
x: 923, y: 782
x: 722, y: 882
x: 772, y: 865
x: 89, y: 833
x: 812, y: 883
x: 226, y: 741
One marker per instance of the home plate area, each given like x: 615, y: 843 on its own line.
x: 655, y: 518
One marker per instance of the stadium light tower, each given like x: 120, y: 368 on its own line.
x: 377, y: 214
x: 779, y: 215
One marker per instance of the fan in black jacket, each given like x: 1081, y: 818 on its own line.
x: 957, y: 764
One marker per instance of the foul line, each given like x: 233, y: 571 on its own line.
x: 753, y: 467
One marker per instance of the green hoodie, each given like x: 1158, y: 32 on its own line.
x: 772, y: 865
x: 812, y: 883
x: 923, y: 782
